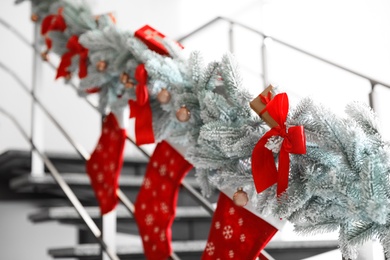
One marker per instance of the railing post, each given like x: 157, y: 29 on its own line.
x: 109, y: 220
x: 264, y: 62
x: 231, y: 37
x: 37, y: 165
x: 371, y: 95
x: 109, y: 232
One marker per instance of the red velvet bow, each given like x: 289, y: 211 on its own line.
x: 53, y: 22
x: 75, y: 48
x: 141, y: 110
x: 264, y: 169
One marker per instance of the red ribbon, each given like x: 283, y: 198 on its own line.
x: 92, y: 90
x: 53, y: 22
x: 75, y: 48
x: 264, y: 169
x: 141, y: 110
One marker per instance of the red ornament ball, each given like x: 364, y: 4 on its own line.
x: 164, y: 96
x: 183, y: 114
x: 34, y: 18
x: 101, y: 66
x: 240, y: 197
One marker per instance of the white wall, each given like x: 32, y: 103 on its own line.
x: 20, y: 239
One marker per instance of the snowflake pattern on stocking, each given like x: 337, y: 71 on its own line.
x: 210, y: 248
x: 227, y: 232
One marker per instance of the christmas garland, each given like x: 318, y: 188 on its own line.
x: 339, y: 181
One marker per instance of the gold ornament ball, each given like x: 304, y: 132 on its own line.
x: 101, y: 66
x: 45, y: 55
x: 124, y: 78
x: 129, y: 84
x: 183, y: 114
x: 240, y: 197
x: 68, y: 76
x: 164, y: 96
x: 34, y: 18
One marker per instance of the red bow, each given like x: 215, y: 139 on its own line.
x: 264, y: 169
x: 75, y: 48
x: 53, y: 22
x: 141, y: 110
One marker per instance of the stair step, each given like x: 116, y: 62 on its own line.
x: 12, y: 159
x: 69, y: 214
x: 189, y: 250
x: 29, y: 182
x: 80, y: 185
x: 190, y: 222
x: 18, y: 162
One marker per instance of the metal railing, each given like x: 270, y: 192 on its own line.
x: 232, y: 24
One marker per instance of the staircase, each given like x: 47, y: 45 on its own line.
x: 189, y: 230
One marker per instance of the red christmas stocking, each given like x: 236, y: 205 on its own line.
x: 155, y: 207
x: 236, y: 233
x: 105, y: 164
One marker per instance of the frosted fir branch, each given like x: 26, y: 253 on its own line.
x: 231, y: 76
x: 196, y: 68
x: 109, y: 38
x: 174, y: 49
x: 365, y: 117
x: 232, y: 140
x: 94, y: 79
x: 137, y: 49
x: 234, y: 88
x: 208, y: 77
x: 59, y: 41
x: 384, y: 238
x: 40, y: 7
x: 202, y: 177
x: 318, y: 228
x: 79, y: 19
x: 104, y: 21
x: 228, y: 179
x: 163, y: 68
x: 215, y: 107
x: 207, y: 158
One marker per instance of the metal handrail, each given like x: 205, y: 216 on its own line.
x: 372, y: 80
x: 66, y: 189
